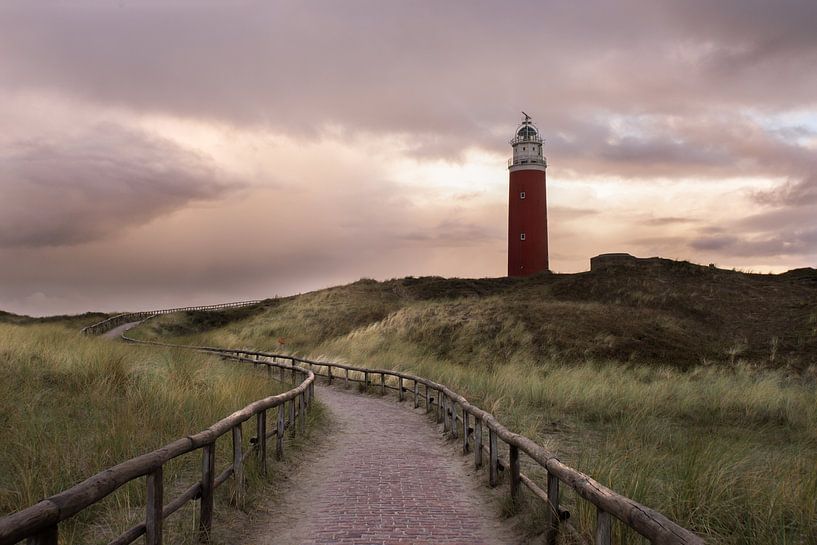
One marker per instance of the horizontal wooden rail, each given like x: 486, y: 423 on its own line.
x: 449, y: 405
x: 39, y: 523
x: 647, y: 522
x: 115, y: 321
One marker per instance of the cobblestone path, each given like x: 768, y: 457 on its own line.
x: 386, y: 476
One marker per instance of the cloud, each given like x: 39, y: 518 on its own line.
x: 93, y: 185
x: 670, y: 126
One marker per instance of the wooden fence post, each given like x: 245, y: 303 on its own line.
x: 238, y: 465
x: 329, y: 372
x: 477, y: 443
x: 465, y: 430
x: 604, y: 527
x: 400, y: 388
x: 302, y: 412
x: 291, y: 422
x: 416, y: 388
x: 428, y: 404
x: 453, y: 405
x: 366, y: 380
x: 347, y: 377
x: 552, y: 529
x: 155, y: 497
x: 49, y: 536
x: 383, y: 384
x: 444, y: 411
x: 493, y: 457
x: 261, y: 437
x: 514, y: 463
x: 208, y: 470
x: 306, y: 394
x: 279, y: 432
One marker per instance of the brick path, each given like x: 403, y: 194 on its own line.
x: 387, y: 477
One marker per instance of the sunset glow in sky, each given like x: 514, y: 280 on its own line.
x: 161, y: 153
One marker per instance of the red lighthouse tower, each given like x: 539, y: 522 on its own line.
x: 527, y: 203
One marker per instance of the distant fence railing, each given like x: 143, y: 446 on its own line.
x: 116, y: 321
x: 458, y: 416
x: 461, y: 418
x: 39, y: 524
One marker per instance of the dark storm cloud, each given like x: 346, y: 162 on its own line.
x: 773, y: 233
x: 90, y: 186
x: 637, y: 89
x: 451, y: 75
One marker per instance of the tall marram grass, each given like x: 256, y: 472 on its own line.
x: 726, y: 451
x: 71, y: 406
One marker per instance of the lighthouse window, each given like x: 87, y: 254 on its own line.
x: 521, y: 236
x: 522, y: 195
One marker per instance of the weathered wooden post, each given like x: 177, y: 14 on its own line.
x: 428, y: 399
x: 477, y: 442
x: 383, y: 384
x: 238, y: 465
x: 347, y: 377
x: 291, y: 422
x: 552, y: 528
x: 329, y: 372
x: 464, y: 431
x: 416, y: 388
x: 155, y: 497
x: 444, y: 410
x: 400, y: 388
x: 453, y: 405
x: 366, y: 380
x: 279, y: 431
x: 604, y: 527
x: 493, y: 457
x: 302, y: 412
x: 306, y: 393
x: 515, y: 479
x: 208, y: 470
x: 261, y: 437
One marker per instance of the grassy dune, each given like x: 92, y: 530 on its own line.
x: 71, y: 406
x: 690, y: 390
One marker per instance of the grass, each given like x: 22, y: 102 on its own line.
x: 71, y: 406
x: 689, y: 390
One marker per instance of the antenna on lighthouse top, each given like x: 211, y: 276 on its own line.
x: 527, y: 117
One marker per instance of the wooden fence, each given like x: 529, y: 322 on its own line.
x: 39, y: 524
x: 116, y: 321
x: 459, y: 417
x: 464, y: 420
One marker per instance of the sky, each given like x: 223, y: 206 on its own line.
x: 169, y: 153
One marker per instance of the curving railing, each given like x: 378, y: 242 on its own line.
x: 458, y: 416
x: 39, y: 524
x: 116, y: 321
x: 461, y: 418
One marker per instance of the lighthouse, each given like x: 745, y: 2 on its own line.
x: 527, y: 203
